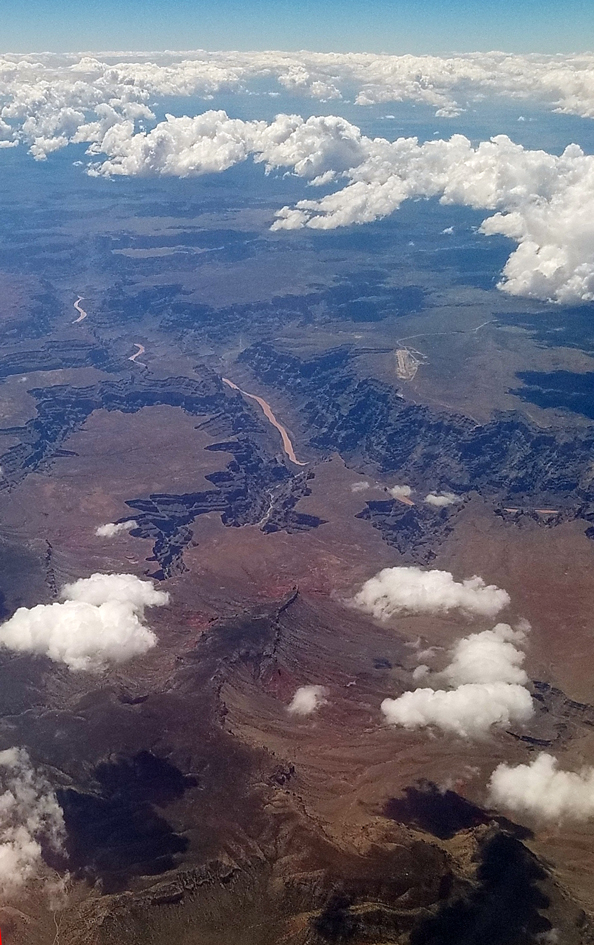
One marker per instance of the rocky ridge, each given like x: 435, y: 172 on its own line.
x: 507, y: 460
x: 255, y: 488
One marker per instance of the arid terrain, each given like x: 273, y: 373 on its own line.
x: 263, y: 417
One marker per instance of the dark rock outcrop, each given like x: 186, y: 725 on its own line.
x: 364, y: 296
x: 55, y: 356
x: 507, y: 459
x: 255, y: 487
x: 63, y: 409
x: 240, y: 496
x: 415, y: 531
x: 253, y: 490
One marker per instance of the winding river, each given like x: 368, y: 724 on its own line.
x: 81, y: 312
x: 267, y: 411
x: 133, y: 357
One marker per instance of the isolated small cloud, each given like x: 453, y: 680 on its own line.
x: 400, y: 492
x: 29, y: 816
x: 359, y: 486
x: 489, y: 688
x: 420, y: 671
x: 111, y: 529
x: 428, y: 653
x: 541, y: 790
x: 307, y: 699
x: 414, y: 591
x: 441, y: 499
x: 99, y: 621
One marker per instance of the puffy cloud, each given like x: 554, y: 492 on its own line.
x: 412, y: 590
x: 99, y: 621
x: 111, y: 529
x: 317, y: 148
x: 541, y: 790
x: 400, y: 492
x: 490, y: 656
x: 307, y: 699
x: 207, y: 144
x: 29, y: 816
x: 360, y: 486
x: 441, y: 499
x: 486, y: 671
x: 469, y: 711
x: 123, y: 588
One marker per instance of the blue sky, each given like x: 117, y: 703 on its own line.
x: 395, y: 26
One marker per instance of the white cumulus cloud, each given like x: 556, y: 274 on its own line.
x: 412, y: 590
x: 541, y: 790
x: 99, y: 621
x: 487, y: 657
x: 317, y: 148
x: 542, y: 201
x: 307, y: 699
x: 469, y: 711
x: 29, y: 816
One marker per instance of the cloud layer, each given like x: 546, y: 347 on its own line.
x: 541, y: 790
x: 100, y: 621
x: 414, y: 591
x: 29, y: 816
x: 486, y: 671
x: 49, y: 100
x: 542, y: 201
